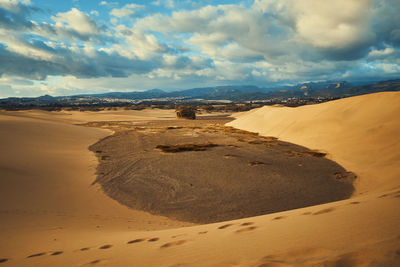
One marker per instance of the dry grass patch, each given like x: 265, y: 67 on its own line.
x: 255, y: 142
x: 256, y: 163
x: 292, y: 153
x: 269, y: 138
x: 229, y: 129
x: 185, y: 147
x: 315, y: 153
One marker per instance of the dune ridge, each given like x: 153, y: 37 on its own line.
x: 361, y: 231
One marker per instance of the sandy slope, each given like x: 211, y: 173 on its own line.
x: 361, y: 133
x: 46, y: 173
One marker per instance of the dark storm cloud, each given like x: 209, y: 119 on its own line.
x: 14, y: 16
x: 102, y: 65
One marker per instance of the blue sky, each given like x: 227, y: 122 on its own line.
x: 87, y: 46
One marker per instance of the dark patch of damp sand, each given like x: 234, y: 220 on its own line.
x: 206, y: 186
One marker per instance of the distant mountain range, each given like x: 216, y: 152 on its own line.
x: 249, y: 92
x: 328, y: 89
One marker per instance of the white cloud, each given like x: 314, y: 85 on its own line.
x: 170, y: 3
x: 380, y: 53
x: 122, y: 12
x: 170, y: 59
x: 95, y: 13
x: 335, y: 24
x: 77, y: 21
x: 167, y: 3
x: 389, y: 68
x: 137, y: 44
x: 126, y: 11
x: 114, y: 21
x: 156, y: 3
x: 15, y: 6
x: 24, y: 48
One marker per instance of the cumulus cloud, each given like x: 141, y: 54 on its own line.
x: 74, y: 24
x: 341, y: 29
x: 126, y: 11
x: 281, y: 31
x: 77, y: 21
x: 215, y: 28
x: 70, y: 63
x: 274, y: 28
x: 376, y: 53
x: 57, y: 49
x: 108, y: 4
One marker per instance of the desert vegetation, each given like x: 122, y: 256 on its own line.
x: 185, y: 147
x: 186, y: 112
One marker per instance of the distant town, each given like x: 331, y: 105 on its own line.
x: 221, y: 98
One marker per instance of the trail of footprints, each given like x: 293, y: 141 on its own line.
x: 392, y: 194
x: 243, y: 227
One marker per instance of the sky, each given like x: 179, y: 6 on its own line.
x: 87, y: 46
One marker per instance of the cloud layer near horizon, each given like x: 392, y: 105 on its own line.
x: 168, y: 44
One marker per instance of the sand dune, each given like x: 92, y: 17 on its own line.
x: 360, y: 133
x: 58, y: 219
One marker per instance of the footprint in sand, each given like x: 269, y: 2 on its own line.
x: 95, y: 262
x: 306, y: 213
x: 171, y: 244
x: 3, y: 260
x: 136, y: 241
x: 202, y: 233
x: 55, y: 253
x: 247, y: 223
x: 324, y: 211
x: 175, y: 236
x: 279, y: 218
x: 105, y: 247
x: 354, y: 202
x: 153, y: 239
x: 247, y: 229
x: 255, y: 163
x: 37, y: 255
x: 225, y: 226
x: 84, y: 249
x: 394, y: 194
